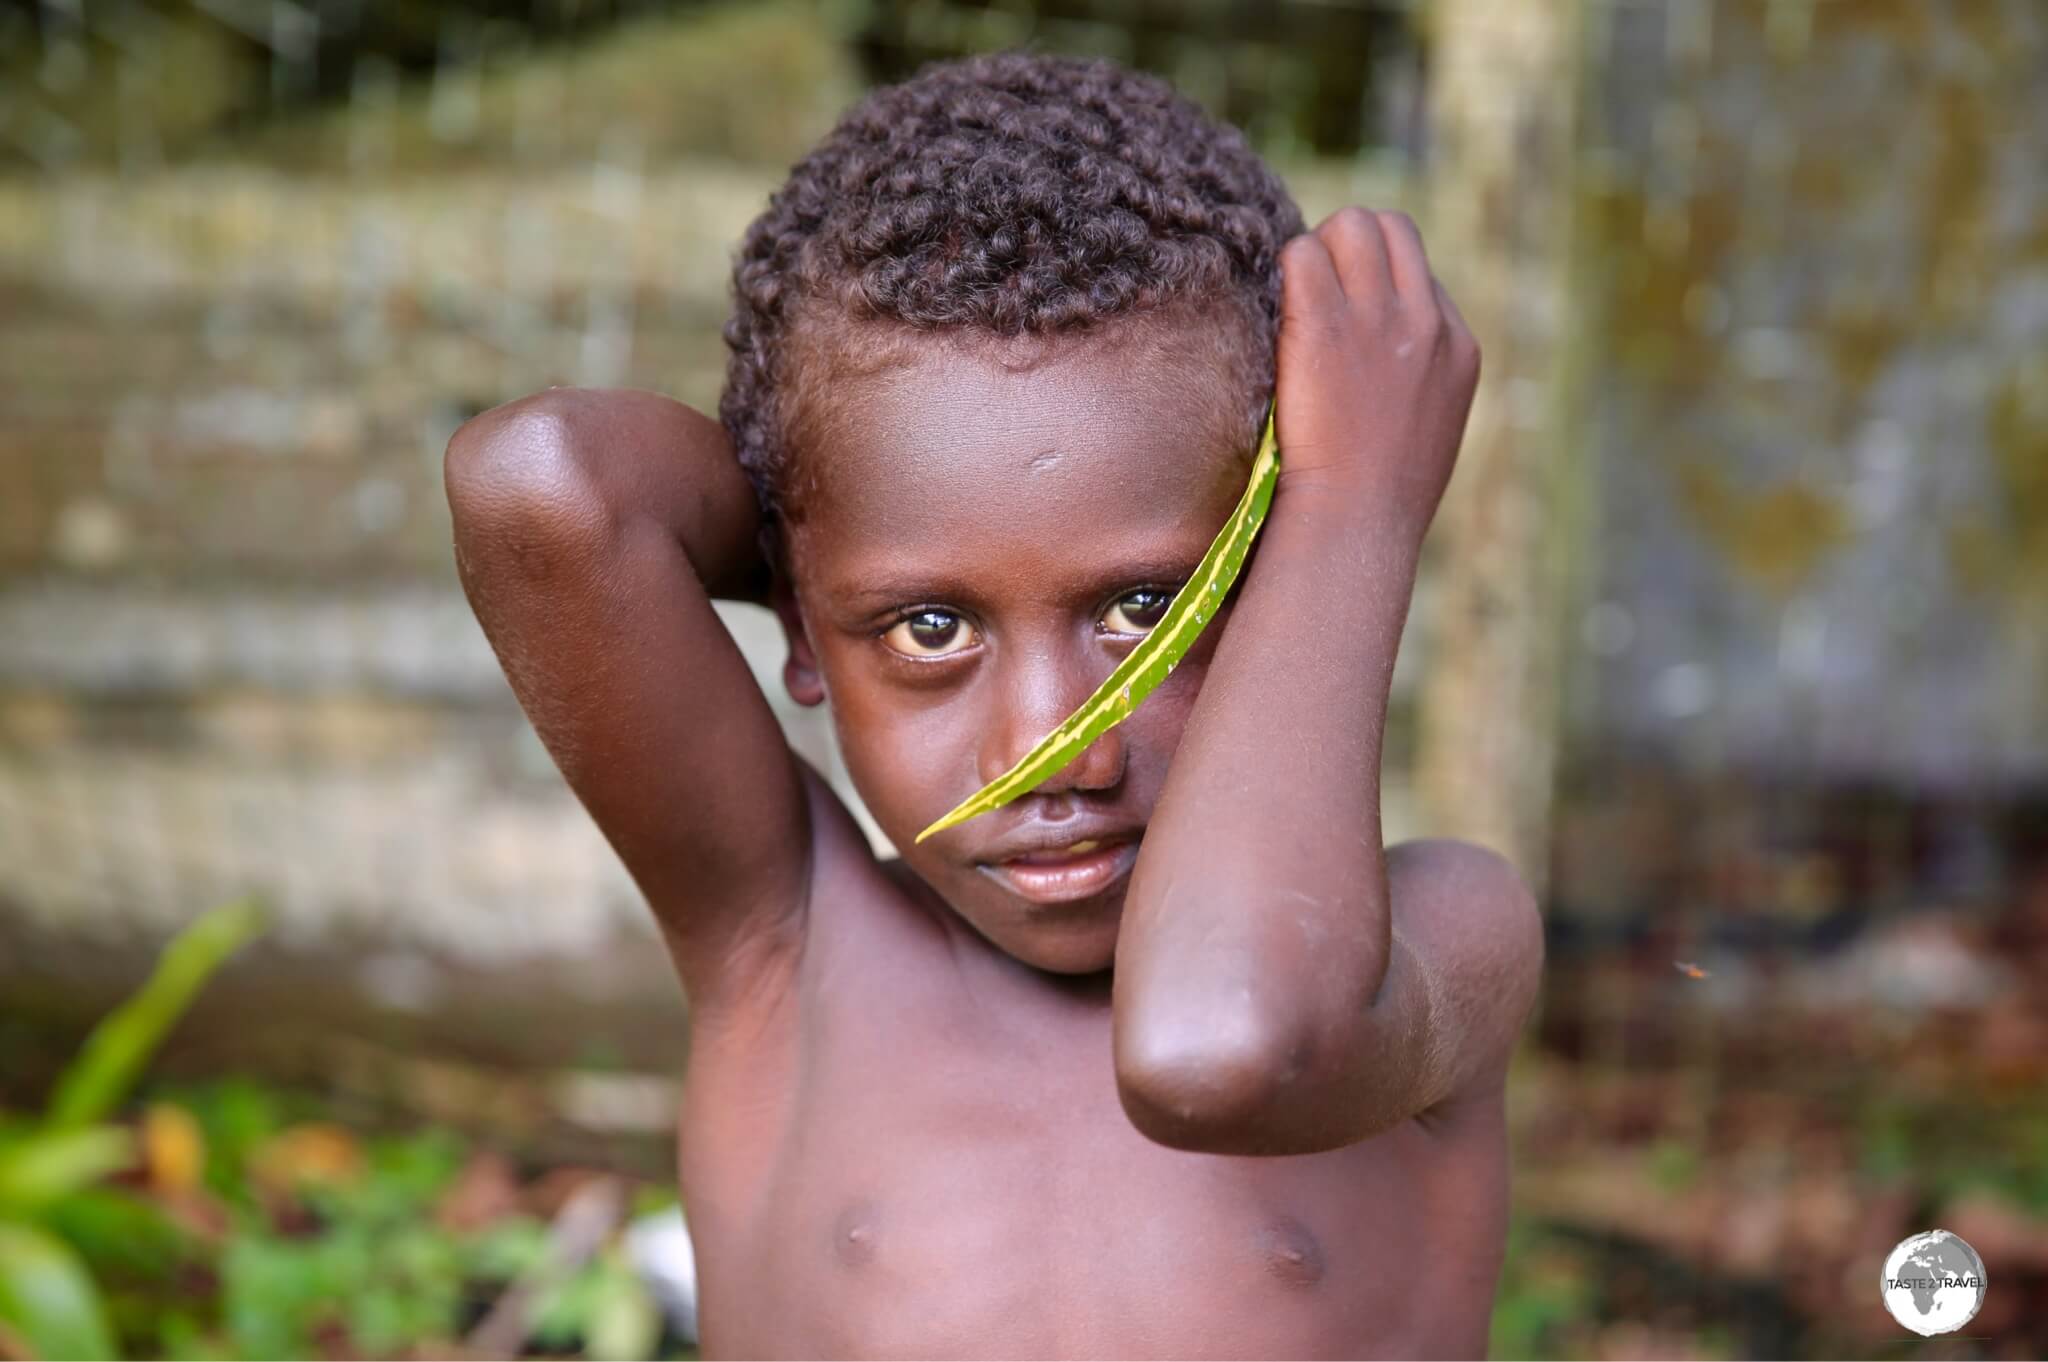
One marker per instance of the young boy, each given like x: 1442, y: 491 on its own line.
x: 1166, y: 1057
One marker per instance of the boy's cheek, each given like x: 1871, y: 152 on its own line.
x: 899, y: 763
x: 1172, y: 704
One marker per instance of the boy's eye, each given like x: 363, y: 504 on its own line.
x: 1139, y: 612
x: 929, y: 633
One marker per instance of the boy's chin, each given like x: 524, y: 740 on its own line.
x: 1069, y: 958
x: 1083, y: 945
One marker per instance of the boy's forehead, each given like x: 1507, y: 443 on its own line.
x: 998, y: 429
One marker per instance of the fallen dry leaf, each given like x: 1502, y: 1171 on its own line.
x: 173, y: 1148
x: 316, y: 1152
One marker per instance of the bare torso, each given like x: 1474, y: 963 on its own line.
x: 909, y: 1144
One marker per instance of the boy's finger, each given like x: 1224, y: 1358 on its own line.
x: 1308, y: 278
x: 1360, y: 251
x: 1408, y: 261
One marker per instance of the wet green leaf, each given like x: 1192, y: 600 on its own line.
x: 48, y: 1299
x: 39, y: 1168
x: 122, y: 1043
x: 116, y: 1231
x: 1149, y: 663
x: 625, y: 1323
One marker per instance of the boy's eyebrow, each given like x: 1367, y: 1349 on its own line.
x: 866, y: 590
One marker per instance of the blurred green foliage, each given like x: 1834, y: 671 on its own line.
x: 50, y: 1305
x: 229, y: 1221
x: 1542, y: 1294
x: 345, y: 1256
x: 1946, y: 1147
x: 756, y: 82
x: 397, y: 85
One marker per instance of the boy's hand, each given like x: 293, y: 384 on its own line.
x: 1376, y: 367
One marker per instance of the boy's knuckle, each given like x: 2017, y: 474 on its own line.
x: 1346, y: 228
x: 1298, y: 261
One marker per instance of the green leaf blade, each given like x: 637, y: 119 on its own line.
x: 1148, y: 664
x: 124, y: 1040
x: 48, y: 1300
x: 44, y: 1166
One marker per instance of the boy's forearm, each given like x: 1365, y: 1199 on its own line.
x: 1255, y: 961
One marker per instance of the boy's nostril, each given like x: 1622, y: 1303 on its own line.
x: 1100, y: 766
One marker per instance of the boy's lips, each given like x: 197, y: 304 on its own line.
x: 1078, y: 870
x: 1042, y: 842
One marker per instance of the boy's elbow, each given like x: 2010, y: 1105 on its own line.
x: 515, y: 467
x: 1220, y: 1086
x: 515, y: 448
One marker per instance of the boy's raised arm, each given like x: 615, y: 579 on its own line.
x: 592, y: 527
x: 1283, y: 985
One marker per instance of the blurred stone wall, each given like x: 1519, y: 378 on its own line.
x: 234, y: 656
x: 1811, y: 526
x: 233, y: 652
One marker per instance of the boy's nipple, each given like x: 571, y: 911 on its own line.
x: 1291, y: 1252
x: 853, y: 1234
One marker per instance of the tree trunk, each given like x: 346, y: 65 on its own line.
x: 1503, y: 91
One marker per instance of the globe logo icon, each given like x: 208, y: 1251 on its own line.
x: 1933, y: 1283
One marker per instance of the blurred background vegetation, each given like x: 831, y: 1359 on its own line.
x: 1733, y: 630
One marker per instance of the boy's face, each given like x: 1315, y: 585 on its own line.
x: 982, y: 543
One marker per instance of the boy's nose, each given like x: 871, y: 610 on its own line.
x: 1035, y: 709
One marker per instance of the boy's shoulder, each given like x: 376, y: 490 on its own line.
x: 1460, y: 901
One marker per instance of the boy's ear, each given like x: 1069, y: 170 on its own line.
x: 800, y: 672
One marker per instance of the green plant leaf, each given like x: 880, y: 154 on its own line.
x: 48, y: 1299
x: 42, y: 1166
x: 117, y: 1231
x: 1147, y: 664
x: 624, y: 1323
x: 125, y: 1039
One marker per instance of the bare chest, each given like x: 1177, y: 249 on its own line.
x: 948, y: 1180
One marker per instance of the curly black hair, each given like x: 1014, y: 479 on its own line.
x: 1007, y: 194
